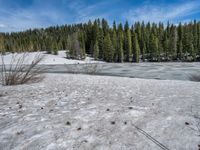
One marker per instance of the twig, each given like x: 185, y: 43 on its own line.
x: 151, y: 138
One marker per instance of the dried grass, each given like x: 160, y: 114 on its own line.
x: 17, y: 72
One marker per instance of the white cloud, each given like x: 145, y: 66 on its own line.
x: 2, y: 25
x: 35, y: 16
x: 156, y: 13
x: 84, y: 12
x: 43, y: 14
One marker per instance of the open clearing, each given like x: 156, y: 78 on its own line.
x: 49, y: 59
x: 98, y: 112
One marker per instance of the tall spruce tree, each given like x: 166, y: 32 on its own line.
x: 120, y: 39
x: 154, y: 48
x: 180, y: 42
x: 2, y: 46
x: 143, y: 41
x: 198, y: 42
x: 136, y: 49
x: 100, y: 41
x: 114, y: 43
x: 96, y: 50
x: 173, y: 43
x: 108, y: 48
x: 127, y: 42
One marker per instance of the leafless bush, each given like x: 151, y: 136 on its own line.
x: 194, y: 77
x: 73, y: 68
x: 87, y: 68
x: 17, y: 72
x: 91, y: 68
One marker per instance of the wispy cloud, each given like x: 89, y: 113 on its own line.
x: 35, y: 16
x: 21, y: 14
x: 2, y: 25
x: 49, y: 12
x: 84, y: 11
x: 163, y: 12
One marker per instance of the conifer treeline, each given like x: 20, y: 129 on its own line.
x: 119, y: 43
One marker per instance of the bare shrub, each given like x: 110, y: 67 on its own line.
x: 194, y: 77
x: 87, y: 68
x: 73, y: 68
x: 91, y: 68
x: 17, y: 72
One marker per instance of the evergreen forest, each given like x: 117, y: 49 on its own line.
x: 138, y: 42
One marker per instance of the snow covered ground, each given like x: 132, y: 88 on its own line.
x: 70, y: 112
x: 49, y: 59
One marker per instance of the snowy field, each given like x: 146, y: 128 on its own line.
x: 49, y: 59
x: 99, y: 113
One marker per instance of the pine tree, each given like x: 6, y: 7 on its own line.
x: 69, y: 47
x: 127, y: 43
x: 120, y: 51
x: 108, y: 48
x: 147, y: 37
x: 136, y: 49
x: 105, y: 26
x: 143, y: 41
x: 143, y: 52
x: 198, y: 42
x: 166, y: 46
x: 153, y: 47
x: 114, y: 43
x: 193, y: 52
x: 180, y: 50
x: 138, y: 31
x: 96, y: 50
x: 89, y: 37
x: 180, y: 42
x: 114, y: 26
x: 2, y: 46
x: 195, y: 38
x: 100, y: 42
x: 173, y: 43
x: 95, y: 36
x: 82, y: 44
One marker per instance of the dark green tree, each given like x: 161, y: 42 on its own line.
x: 154, y: 48
x: 96, y: 50
x: 136, y: 49
x: 127, y: 42
x: 108, y: 48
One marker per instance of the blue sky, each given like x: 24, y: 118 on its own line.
x: 17, y: 15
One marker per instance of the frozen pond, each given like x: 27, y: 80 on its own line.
x: 162, y: 71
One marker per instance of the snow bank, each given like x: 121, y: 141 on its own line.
x: 49, y: 59
x: 93, y: 112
